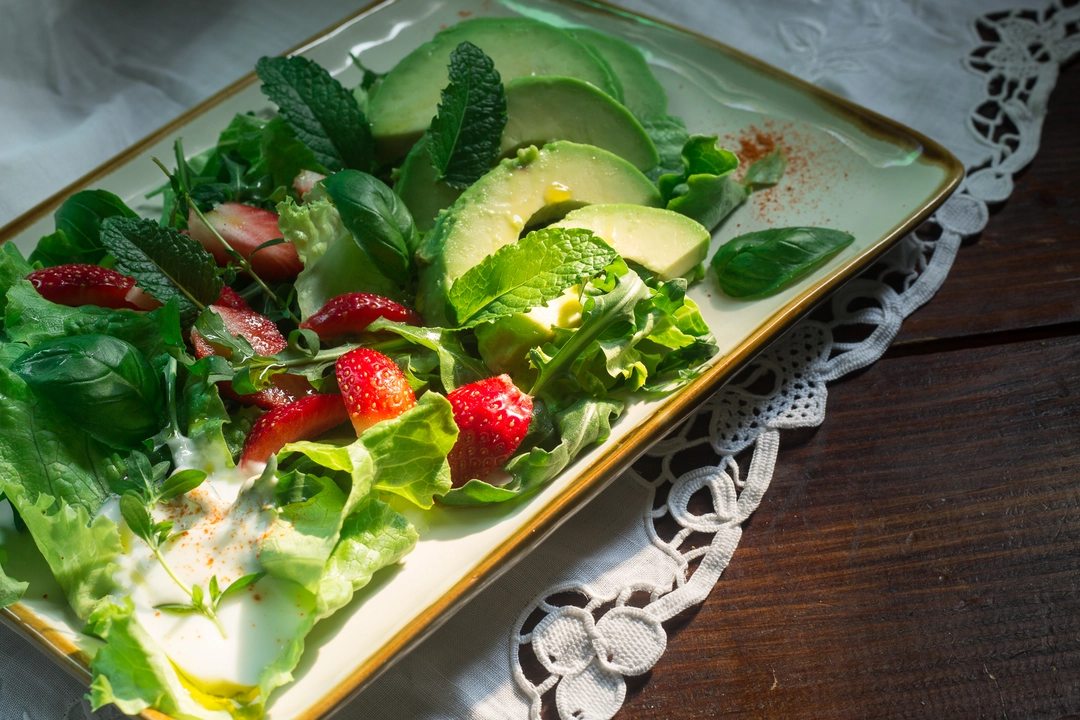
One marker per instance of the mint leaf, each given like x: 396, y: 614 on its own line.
x: 464, y: 137
x: 765, y: 172
x: 761, y: 263
x: 322, y: 113
x: 78, y: 229
x: 528, y: 273
x: 165, y: 263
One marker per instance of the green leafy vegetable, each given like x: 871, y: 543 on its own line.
x: 464, y: 137
x: 41, y: 450
x: 704, y: 190
x: 10, y: 589
x: 766, y: 172
x: 78, y: 229
x: 668, y: 134
x: 13, y: 268
x: 103, y: 384
x: 377, y: 219
x: 528, y: 273
x: 764, y: 262
x: 165, y: 263
x: 305, y: 531
x: 322, y: 113
x: 585, y: 422
x: 456, y: 366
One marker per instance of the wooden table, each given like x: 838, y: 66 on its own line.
x: 918, y: 555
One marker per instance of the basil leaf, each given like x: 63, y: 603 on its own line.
x: 78, y: 229
x: 377, y: 219
x: 104, y: 385
x: 322, y: 113
x: 165, y: 263
x: 766, y: 172
x: 764, y: 262
x: 528, y: 273
x: 463, y: 140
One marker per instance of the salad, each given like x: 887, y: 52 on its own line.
x: 437, y: 287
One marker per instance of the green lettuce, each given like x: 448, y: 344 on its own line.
x: 13, y: 268
x: 11, y: 590
x: 705, y: 189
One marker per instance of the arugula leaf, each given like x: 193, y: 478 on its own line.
x: 764, y: 262
x: 528, y: 273
x: 165, y: 263
x: 40, y: 447
x: 377, y: 219
x: 766, y: 172
x: 11, y: 590
x: 322, y: 113
x: 78, y: 229
x: 464, y: 137
x: 585, y: 422
x: 456, y: 366
x: 103, y: 384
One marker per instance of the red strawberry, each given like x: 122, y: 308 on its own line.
x: 373, y: 386
x: 305, y: 182
x: 231, y: 298
x: 492, y: 416
x: 76, y: 285
x: 353, y: 312
x: 265, y: 339
x: 245, y: 228
x: 303, y: 419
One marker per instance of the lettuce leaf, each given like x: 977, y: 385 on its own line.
x: 13, y: 268
x: 132, y: 672
x: 305, y: 531
x: 11, y: 590
x: 79, y: 552
x: 704, y: 190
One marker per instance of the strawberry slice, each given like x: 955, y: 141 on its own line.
x: 245, y: 228
x: 232, y: 299
x: 353, y: 312
x: 265, y: 339
x: 373, y: 386
x: 492, y: 416
x: 304, y: 182
x: 76, y: 285
x: 303, y: 419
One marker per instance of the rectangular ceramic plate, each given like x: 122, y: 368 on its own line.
x: 848, y: 169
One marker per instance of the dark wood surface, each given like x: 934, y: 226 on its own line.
x: 918, y: 555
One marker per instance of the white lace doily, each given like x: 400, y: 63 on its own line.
x: 586, y: 609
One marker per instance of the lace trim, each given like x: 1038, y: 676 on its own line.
x: 587, y: 647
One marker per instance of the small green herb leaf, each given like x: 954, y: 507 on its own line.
x: 766, y: 172
x: 165, y: 263
x: 238, y: 585
x: 176, y: 608
x: 528, y: 273
x: 322, y: 113
x: 180, y: 482
x: 135, y: 515
x: 377, y: 219
x: 764, y: 262
x: 464, y: 137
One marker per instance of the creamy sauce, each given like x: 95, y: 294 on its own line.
x: 220, y: 526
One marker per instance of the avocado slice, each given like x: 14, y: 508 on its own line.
x: 661, y: 241
x: 494, y: 210
x: 539, y: 110
x: 408, y: 97
x: 643, y: 94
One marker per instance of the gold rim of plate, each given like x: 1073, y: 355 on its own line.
x: 615, y: 459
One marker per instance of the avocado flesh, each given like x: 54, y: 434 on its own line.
x: 494, y: 210
x: 643, y: 94
x: 504, y: 344
x: 409, y: 95
x: 663, y: 242
x: 540, y: 110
